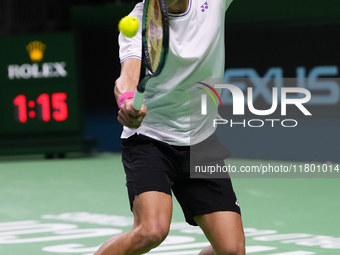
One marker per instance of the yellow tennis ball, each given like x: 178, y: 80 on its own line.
x: 129, y: 26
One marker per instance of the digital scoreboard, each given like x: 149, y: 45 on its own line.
x: 39, y: 95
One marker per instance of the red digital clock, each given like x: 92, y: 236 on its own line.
x: 40, y: 109
x: 43, y: 105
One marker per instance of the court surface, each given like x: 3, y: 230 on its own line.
x: 72, y: 205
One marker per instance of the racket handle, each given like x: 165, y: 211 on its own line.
x: 138, y: 100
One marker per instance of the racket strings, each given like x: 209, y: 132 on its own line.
x: 154, y: 34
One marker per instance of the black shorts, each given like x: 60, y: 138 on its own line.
x: 151, y: 165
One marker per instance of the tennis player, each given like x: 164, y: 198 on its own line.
x: 156, y: 140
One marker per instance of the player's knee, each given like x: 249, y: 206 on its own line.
x: 155, y: 237
x: 152, y: 236
x: 237, y: 248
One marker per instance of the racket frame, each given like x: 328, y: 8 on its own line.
x: 146, y: 74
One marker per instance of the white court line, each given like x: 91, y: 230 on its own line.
x: 180, y: 246
x: 295, y: 253
x: 259, y: 248
x: 191, y: 252
x: 249, y: 249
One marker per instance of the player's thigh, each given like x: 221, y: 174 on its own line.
x: 224, y: 230
x: 152, y: 213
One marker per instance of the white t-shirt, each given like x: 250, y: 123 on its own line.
x: 196, y: 53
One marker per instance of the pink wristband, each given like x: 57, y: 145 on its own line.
x: 125, y: 96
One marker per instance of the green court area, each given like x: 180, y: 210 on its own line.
x: 72, y: 205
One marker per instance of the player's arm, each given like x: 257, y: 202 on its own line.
x: 127, y: 82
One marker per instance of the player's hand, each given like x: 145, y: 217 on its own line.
x: 129, y: 117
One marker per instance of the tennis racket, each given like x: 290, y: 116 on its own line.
x: 155, y: 45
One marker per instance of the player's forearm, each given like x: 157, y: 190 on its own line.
x: 124, y: 84
x: 129, y: 77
